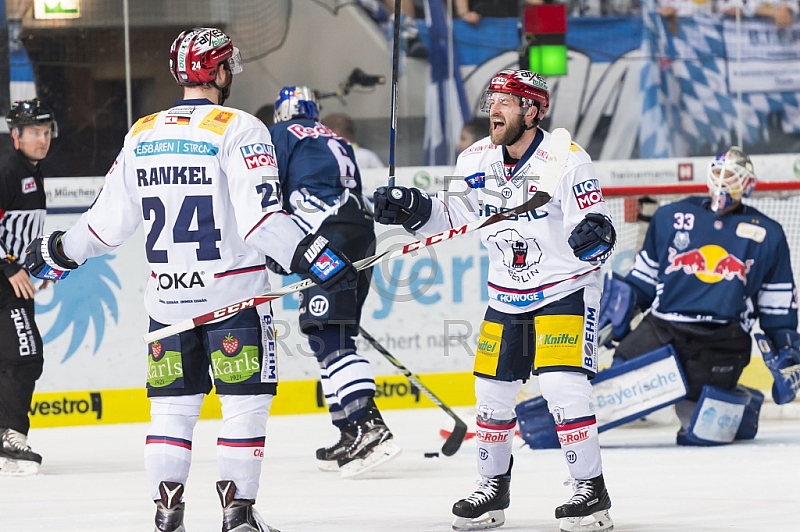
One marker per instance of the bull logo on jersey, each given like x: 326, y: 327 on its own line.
x: 710, y: 264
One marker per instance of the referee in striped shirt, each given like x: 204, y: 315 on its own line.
x: 22, y: 211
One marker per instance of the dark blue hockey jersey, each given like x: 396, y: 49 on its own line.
x: 696, y: 265
x: 311, y: 156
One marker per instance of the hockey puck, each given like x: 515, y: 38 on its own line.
x: 432, y: 455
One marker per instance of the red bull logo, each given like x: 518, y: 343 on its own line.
x: 710, y: 264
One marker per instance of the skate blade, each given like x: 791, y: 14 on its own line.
x: 179, y: 529
x: 381, y: 454
x: 18, y: 468
x: 597, y: 522
x: 328, y: 465
x: 492, y: 519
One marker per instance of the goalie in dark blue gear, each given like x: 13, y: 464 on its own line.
x: 315, y: 162
x: 707, y: 269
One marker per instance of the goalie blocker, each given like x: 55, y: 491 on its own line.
x: 630, y: 390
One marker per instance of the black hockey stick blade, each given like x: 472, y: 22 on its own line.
x: 453, y: 442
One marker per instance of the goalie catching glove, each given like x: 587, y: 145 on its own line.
x: 593, y: 238
x: 409, y: 207
x: 44, y: 260
x: 328, y: 268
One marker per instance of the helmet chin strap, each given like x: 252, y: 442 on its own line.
x: 525, y: 128
x: 225, y: 91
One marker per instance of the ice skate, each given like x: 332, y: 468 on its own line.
x: 16, y: 457
x: 587, y: 510
x: 238, y: 515
x: 328, y: 457
x: 374, y: 445
x: 484, y: 509
x: 170, y: 507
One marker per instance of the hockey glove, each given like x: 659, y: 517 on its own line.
x: 593, y: 238
x: 409, y: 207
x: 327, y: 267
x: 274, y: 266
x: 617, y: 307
x: 784, y: 365
x: 44, y: 261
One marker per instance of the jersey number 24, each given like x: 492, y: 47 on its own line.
x: 206, y: 235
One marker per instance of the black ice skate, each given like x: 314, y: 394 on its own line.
x: 238, y: 515
x: 328, y: 457
x: 484, y: 509
x: 373, y: 445
x: 16, y: 457
x: 169, y: 508
x: 587, y: 510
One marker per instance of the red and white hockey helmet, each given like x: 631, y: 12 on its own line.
x: 196, y: 55
x: 529, y: 86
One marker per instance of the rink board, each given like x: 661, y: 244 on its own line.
x: 102, y: 407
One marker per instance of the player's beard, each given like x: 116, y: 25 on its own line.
x: 510, y: 133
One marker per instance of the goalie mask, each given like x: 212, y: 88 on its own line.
x: 296, y: 102
x: 730, y: 178
x: 31, y: 113
x: 529, y: 86
x: 197, y: 54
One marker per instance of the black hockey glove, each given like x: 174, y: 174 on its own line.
x: 328, y: 268
x: 409, y: 207
x: 593, y: 238
x: 275, y: 266
x: 44, y: 261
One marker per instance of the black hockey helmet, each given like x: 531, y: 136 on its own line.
x: 31, y: 113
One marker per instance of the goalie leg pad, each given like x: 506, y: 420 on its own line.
x: 749, y: 425
x: 631, y: 389
x: 717, y: 417
x: 496, y: 423
x: 536, y: 424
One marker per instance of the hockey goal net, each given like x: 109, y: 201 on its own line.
x: 631, y: 208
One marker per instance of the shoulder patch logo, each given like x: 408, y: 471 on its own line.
x: 753, y: 232
x: 144, y: 123
x: 29, y: 185
x: 217, y: 121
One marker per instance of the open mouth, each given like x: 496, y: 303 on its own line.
x: 498, y: 126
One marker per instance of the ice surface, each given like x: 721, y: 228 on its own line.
x: 93, y: 479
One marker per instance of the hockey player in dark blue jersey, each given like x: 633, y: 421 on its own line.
x: 710, y: 267
x: 315, y: 161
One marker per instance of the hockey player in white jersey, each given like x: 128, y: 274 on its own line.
x: 203, y: 179
x: 544, y: 291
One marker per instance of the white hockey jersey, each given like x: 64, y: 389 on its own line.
x: 530, y: 261
x: 202, y: 178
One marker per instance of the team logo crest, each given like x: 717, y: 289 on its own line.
x: 681, y: 240
x: 519, y: 253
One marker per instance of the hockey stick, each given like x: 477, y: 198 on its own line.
x: 395, y: 68
x: 453, y: 442
x: 551, y: 177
